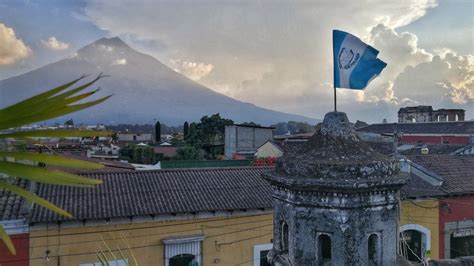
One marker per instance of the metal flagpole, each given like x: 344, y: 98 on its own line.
x: 335, y: 102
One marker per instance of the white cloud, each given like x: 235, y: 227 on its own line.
x: 54, y: 44
x: 447, y: 81
x: 12, y: 49
x: 118, y: 62
x: 193, y: 70
x: 280, y: 55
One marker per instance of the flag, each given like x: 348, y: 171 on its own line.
x: 355, y: 62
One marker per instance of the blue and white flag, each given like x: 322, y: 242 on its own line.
x: 355, y: 63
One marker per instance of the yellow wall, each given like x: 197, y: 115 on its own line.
x: 426, y: 214
x: 229, y: 241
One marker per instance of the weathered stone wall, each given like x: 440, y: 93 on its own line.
x: 347, y: 218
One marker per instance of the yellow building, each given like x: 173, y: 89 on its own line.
x: 419, y: 221
x: 220, y: 216
x: 239, y: 239
x: 167, y: 217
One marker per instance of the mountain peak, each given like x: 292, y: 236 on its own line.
x: 114, y: 41
x: 104, y: 45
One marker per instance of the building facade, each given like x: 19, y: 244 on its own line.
x: 420, y: 114
x: 243, y: 140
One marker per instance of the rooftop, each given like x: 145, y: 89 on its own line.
x: 459, y: 127
x: 10, y: 203
x: 335, y: 152
x: 125, y: 194
x: 457, y: 171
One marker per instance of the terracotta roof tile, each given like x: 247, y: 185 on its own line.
x: 159, y: 192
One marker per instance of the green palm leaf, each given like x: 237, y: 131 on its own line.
x: 34, y: 199
x: 43, y: 175
x: 55, y: 134
x: 51, y: 159
x: 7, y: 240
x: 50, y: 104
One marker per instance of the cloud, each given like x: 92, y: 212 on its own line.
x: 193, y: 70
x: 280, y: 55
x: 54, y: 44
x: 121, y: 61
x: 12, y: 49
x: 443, y: 81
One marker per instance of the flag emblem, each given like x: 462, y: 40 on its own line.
x: 347, y: 59
x: 355, y: 62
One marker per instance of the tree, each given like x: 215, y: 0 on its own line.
x: 138, y: 154
x: 209, y: 134
x: 185, y: 129
x: 187, y: 153
x: 157, y: 131
x: 15, y: 164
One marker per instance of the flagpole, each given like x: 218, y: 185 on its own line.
x: 335, y: 102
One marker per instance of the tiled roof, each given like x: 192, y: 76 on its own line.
x: 434, y: 149
x: 457, y: 171
x: 415, y: 149
x: 10, y: 203
x: 464, y: 127
x: 417, y: 187
x: 132, y: 193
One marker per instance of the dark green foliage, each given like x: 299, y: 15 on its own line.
x: 185, y: 129
x: 293, y: 127
x: 251, y: 124
x: 158, y: 131
x: 138, y: 154
x: 208, y: 135
x: 187, y: 153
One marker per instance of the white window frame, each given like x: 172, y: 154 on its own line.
x: 425, y: 237
x: 183, y: 245
x: 256, y: 252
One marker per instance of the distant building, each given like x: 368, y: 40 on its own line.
x: 269, y: 149
x: 138, y: 137
x: 461, y: 132
x: 243, y: 140
x: 420, y: 114
x: 102, y: 151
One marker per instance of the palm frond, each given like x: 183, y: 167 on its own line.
x: 50, y: 159
x: 46, y: 176
x: 7, y: 240
x: 55, y: 134
x: 34, y: 199
x: 48, y: 105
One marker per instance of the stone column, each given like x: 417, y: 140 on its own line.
x: 338, y: 199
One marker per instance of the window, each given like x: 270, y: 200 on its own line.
x: 111, y: 263
x: 260, y: 255
x: 324, y: 249
x: 183, y: 251
x: 284, y: 237
x: 415, y: 241
x: 373, y: 248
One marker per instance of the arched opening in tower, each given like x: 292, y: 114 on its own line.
x: 373, y: 250
x: 284, y: 237
x: 325, y: 253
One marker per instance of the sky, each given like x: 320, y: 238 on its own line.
x: 275, y: 54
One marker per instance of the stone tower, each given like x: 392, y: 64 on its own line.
x: 335, y: 201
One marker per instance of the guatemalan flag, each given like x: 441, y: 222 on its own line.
x: 355, y: 63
